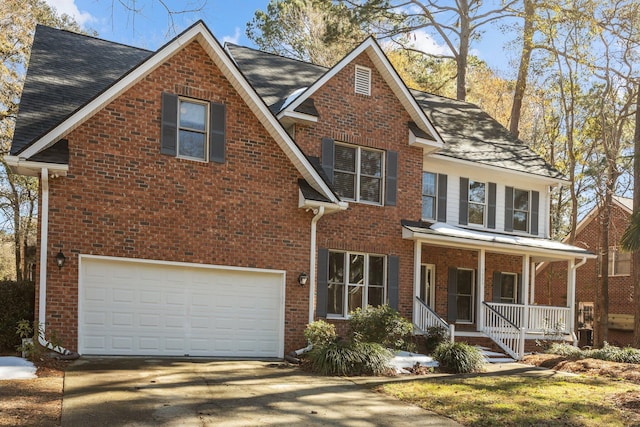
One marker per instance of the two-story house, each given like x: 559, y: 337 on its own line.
x: 621, y: 304
x: 212, y: 201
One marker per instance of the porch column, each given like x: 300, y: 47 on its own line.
x: 571, y: 293
x: 526, y: 273
x: 417, y: 262
x: 532, y: 287
x: 480, y: 296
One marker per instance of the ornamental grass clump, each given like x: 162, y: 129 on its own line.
x: 350, y: 358
x: 566, y: 350
x: 459, y: 358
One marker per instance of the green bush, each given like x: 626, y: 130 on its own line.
x: 382, y: 325
x: 320, y: 333
x: 607, y: 352
x: 17, y: 302
x: 566, y: 350
x: 434, y: 336
x: 350, y: 358
x: 459, y: 358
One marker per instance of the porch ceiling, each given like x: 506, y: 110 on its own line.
x: 441, y: 234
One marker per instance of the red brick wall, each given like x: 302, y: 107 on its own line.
x: 122, y: 198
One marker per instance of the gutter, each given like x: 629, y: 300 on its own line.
x: 44, y: 244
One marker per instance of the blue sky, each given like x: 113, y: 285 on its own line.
x: 227, y: 19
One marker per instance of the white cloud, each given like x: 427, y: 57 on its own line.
x: 70, y: 8
x: 235, y: 38
x: 421, y: 40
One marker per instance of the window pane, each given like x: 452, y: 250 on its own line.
x: 192, y: 144
x: 376, y: 271
x: 521, y: 200
x: 476, y: 192
x: 371, y: 163
x: 355, y: 297
x: 520, y: 221
x: 375, y: 296
x: 370, y: 189
x: 428, y: 184
x: 336, y: 267
x: 476, y: 214
x: 508, y: 288
x: 428, y: 207
x: 335, y: 299
x: 356, y: 269
x: 623, y: 263
x: 345, y: 158
x: 193, y: 116
x: 464, y: 308
x: 345, y: 184
x: 465, y: 279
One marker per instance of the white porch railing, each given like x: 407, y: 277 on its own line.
x: 535, y: 318
x: 505, y: 333
x: 425, y: 318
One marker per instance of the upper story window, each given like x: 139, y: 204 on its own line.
x: 363, y: 81
x: 355, y: 280
x: 619, y: 263
x: 477, y: 202
x: 521, y: 208
x: 429, y: 195
x: 193, y: 118
x: 357, y: 173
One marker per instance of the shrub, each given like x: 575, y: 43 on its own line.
x: 350, y: 358
x: 434, y: 336
x: 607, y: 352
x: 17, y: 302
x: 320, y: 333
x: 459, y: 358
x: 382, y: 325
x: 564, y: 349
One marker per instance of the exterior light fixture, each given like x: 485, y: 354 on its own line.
x: 60, y: 259
x: 302, y: 278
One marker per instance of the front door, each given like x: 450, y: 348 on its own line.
x: 426, y: 290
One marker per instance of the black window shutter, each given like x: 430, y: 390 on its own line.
x: 169, y: 131
x: 394, y: 280
x: 497, y: 286
x: 391, y: 185
x: 520, y: 299
x: 328, y: 153
x: 442, y: 198
x: 535, y: 211
x: 217, y: 123
x: 491, y: 221
x: 463, y: 216
x: 508, y: 209
x: 323, y: 283
x: 452, y: 300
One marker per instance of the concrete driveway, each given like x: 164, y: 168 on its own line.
x: 171, y: 392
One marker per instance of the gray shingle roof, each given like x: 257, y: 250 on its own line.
x: 65, y: 71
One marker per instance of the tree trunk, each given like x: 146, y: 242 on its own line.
x: 601, y: 305
x: 463, y: 51
x: 523, y: 69
x: 635, y: 264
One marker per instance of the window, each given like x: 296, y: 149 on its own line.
x: 477, y: 202
x: 585, y: 315
x: 509, y: 288
x: 465, y: 295
x: 357, y: 173
x: 619, y: 263
x: 355, y: 281
x: 520, y: 210
x: 363, y: 81
x: 429, y: 195
x: 192, y: 129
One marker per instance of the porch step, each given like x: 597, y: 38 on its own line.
x: 491, y: 356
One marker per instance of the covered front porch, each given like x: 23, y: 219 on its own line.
x: 476, y: 283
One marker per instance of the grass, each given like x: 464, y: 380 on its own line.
x: 519, y: 401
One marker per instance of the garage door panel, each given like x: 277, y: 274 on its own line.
x: 129, y: 308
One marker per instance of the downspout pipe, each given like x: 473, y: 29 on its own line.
x: 573, y: 298
x: 319, y: 212
x: 44, y: 245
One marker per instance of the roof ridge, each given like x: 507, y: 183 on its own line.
x: 276, y: 55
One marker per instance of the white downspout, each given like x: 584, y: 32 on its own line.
x: 572, y: 295
x: 44, y: 247
x: 319, y: 212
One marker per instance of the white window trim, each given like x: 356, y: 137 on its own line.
x: 206, y: 130
x: 435, y: 198
x: 513, y: 203
x: 365, y: 285
x: 473, y: 298
x: 485, y: 204
x: 362, y: 87
x: 358, y: 174
x: 515, y: 287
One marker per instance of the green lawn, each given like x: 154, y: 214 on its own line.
x: 486, y: 400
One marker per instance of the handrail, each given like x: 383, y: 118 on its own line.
x: 506, y: 334
x: 426, y: 317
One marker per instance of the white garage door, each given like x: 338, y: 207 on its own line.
x: 147, y: 308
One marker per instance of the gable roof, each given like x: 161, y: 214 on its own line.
x: 625, y: 203
x: 85, y: 106
x: 469, y: 134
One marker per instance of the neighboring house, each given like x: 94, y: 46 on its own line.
x: 189, y: 188
x: 549, y: 289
